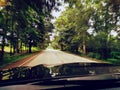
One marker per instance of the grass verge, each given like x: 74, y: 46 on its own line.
x: 11, y: 59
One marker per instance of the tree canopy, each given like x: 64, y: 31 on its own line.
x: 23, y: 23
x: 90, y: 26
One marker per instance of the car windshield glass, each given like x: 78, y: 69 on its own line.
x: 41, y: 39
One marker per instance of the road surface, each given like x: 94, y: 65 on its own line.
x: 49, y: 58
x: 56, y: 57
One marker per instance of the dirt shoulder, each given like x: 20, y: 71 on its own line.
x: 23, y: 61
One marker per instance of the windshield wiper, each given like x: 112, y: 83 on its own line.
x: 96, y: 79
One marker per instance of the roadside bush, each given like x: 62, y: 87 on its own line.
x: 94, y: 55
x: 97, y: 56
x: 80, y: 53
x: 115, y: 55
x: 113, y: 61
x: 90, y: 54
x: 55, y: 45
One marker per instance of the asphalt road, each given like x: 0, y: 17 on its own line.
x: 56, y: 57
x: 49, y: 58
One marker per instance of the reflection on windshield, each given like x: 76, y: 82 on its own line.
x: 21, y: 73
x: 42, y: 72
x: 83, y: 69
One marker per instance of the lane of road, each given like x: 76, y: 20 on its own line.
x: 49, y: 58
x: 55, y: 57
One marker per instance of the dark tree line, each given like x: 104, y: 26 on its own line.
x: 23, y: 23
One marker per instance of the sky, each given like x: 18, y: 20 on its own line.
x: 58, y: 13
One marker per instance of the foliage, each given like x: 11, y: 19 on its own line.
x: 90, y: 27
x: 11, y: 59
x: 94, y: 55
x: 115, y: 55
x: 24, y: 23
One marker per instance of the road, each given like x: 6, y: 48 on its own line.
x: 55, y: 57
x: 49, y: 57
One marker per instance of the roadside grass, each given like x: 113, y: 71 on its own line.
x: 7, y: 49
x: 11, y: 59
x: 113, y: 61
x: 34, y: 49
x: 96, y: 57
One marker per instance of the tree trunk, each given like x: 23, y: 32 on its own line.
x: 30, y: 47
x: 17, y: 46
x: 84, y: 42
x: 20, y: 47
x: 14, y: 48
x: 2, y: 48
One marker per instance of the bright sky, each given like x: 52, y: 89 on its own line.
x: 58, y: 13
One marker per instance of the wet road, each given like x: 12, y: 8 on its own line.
x: 55, y: 57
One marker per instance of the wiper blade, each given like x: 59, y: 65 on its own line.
x: 106, y: 78
x: 114, y: 76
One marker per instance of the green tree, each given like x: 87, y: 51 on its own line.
x: 77, y: 18
x: 92, y: 22
x: 25, y: 15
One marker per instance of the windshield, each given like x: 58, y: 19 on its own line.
x: 41, y: 39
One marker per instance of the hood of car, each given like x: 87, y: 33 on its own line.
x: 64, y: 70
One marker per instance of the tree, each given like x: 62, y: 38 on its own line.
x: 26, y: 15
x: 105, y: 21
x: 77, y: 17
x: 92, y: 23
x: 3, y: 22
